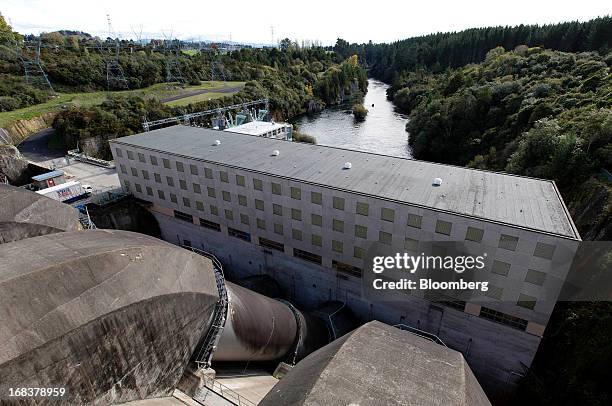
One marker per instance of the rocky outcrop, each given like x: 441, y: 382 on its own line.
x: 13, y: 165
x: 22, y: 129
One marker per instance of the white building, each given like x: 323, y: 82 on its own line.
x: 296, y: 212
x: 268, y: 129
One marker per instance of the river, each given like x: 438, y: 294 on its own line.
x: 382, y: 132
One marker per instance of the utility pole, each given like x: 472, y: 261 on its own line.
x: 115, y: 78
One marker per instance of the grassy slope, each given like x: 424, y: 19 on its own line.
x: 160, y: 91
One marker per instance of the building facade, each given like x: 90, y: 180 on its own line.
x: 297, y: 213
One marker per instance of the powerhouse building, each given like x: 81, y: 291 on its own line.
x: 307, y: 215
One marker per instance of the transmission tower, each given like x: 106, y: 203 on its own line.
x: 173, y: 67
x: 115, y: 78
x: 30, y: 59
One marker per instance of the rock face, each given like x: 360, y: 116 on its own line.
x: 12, y: 164
x: 113, y: 316
x: 25, y: 214
x: 379, y: 365
x: 22, y: 129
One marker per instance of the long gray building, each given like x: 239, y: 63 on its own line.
x: 307, y: 215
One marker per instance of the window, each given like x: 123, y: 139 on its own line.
x: 526, y: 301
x: 337, y: 246
x: 362, y: 209
x: 535, y: 277
x: 169, y: 181
x: 138, y: 187
x: 226, y: 196
x: 474, y: 234
x: 414, y: 221
x: 134, y: 172
x: 244, y: 219
x: 545, y: 251
x: 307, y: 256
x: 180, y: 167
x: 157, y: 177
x: 494, y: 292
x: 296, y: 234
x: 123, y: 169
x: 387, y: 214
x: 296, y: 214
x: 338, y: 203
x: 277, y: 209
x: 361, y: 231
x: 119, y: 153
x: 196, y: 188
x: 186, y: 202
x: 166, y: 163
x: 316, y: 198
x: 358, y: 252
x: 239, y: 234
x: 257, y: 184
x: 208, y: 173
x: 130, y: 155
x: 183, y: 216
x: 346, y: 269
x: 242, y: 200
x: 141, y: 157
x: 500, y: 268
x: 183, y: 184
x: 229, y: 214
x: 259, y: 204
x: 316, y: 220
x: 276, y: 188
x: 210, y: 224
x: 261, y: 224
x: 264, y: 242
x: 153, y: 160
x: 508, y: 242
x: 316, y: 240
x: 278, y: 228
x: 240, y: 180
x: 338, y: 225
x: 214, y: 210
x: 193, y: 169
x: 199, y: 205
x: 296, y: 193
x: 173, y: 198
x: 503, y: 318
x: 127, y: 185
x: 211, y: 192
x: 443, y: 227
x: 410, y: 244
x: 384, y: 237
x: 160, y: 194
x: 223, y: 176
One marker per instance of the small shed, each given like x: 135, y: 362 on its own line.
x: 48, y: 179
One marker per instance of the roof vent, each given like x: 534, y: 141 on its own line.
x: 217, y: 142
x: 437, y: 182
x: 347, y: 165
x: 276, y: 152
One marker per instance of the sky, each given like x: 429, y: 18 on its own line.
x: 321, y: 20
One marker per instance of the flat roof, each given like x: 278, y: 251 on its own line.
x: 48, y: 175
x: 256, y: 127
x: 518, y: 201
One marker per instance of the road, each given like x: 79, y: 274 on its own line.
x: 35, y: 148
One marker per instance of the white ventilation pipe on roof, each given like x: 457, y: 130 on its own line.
x: 437, y: 182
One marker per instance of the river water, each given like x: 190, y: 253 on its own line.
x: 382, y: 132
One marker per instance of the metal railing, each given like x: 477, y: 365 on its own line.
x: 79, y: 156
x: 226, y: 392
x: 420, y: 333
x: 213, y: 335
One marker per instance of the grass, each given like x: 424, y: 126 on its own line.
x: 159, y: 91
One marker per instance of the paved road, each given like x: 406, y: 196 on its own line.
x: 234, y: 89
x: 35, y: 147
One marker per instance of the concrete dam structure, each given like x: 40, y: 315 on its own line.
x: 24, y: 214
